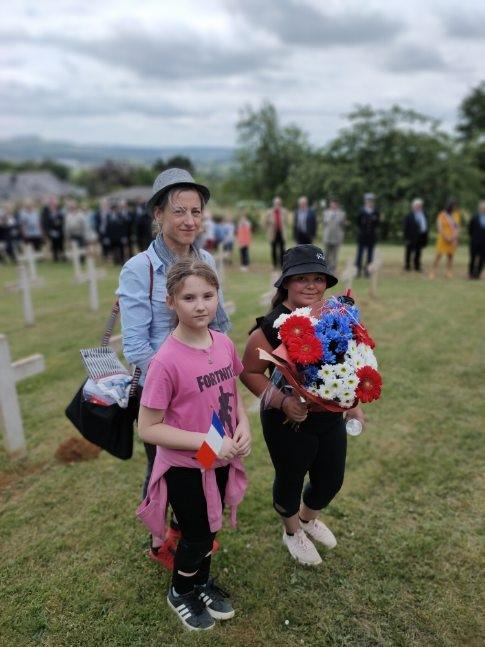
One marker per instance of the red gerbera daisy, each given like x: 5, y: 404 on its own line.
x: 304, y: 350
x: 295, y: 326
x: 370, y: 383
x: 362, y: 336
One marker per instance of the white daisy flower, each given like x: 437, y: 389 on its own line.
x: 347, y: 403
x: 343, y: 371
x: 327, y: 372
x: 303, y: 312
x: 325, y: 392
x: 279, y: 321
x: 350, y: 382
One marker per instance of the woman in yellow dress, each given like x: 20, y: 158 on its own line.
x: 448, y: 223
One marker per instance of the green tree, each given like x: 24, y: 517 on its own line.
x: 112, y: 175
x: 56, y: 168
x: 177, y: 161
x: 159, y: 165
x: 471, y: 126
x: 471, y: 113
x: 266, y: 153
x: 398, y: 154
x: 181, y: 161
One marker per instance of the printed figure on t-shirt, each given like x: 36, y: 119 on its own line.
x: 225, y: 410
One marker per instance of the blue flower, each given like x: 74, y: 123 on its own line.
x: 334, y: 330
x: 328, y: 355
x: 311, y: 374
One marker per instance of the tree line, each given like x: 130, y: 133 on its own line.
x: 397, y: 154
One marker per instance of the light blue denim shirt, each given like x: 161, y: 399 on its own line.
x: 145, y: 325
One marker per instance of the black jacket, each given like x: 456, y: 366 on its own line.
x: 367, y: 224
x: 477, y: 233
x: 311, y: 224
x: 412, y: 232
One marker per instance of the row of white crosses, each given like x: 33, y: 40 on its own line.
x: 28, y: 278
x: 10, y: 417
x: 91, y: 276
x: 13, y: 372
x: 350, y: 272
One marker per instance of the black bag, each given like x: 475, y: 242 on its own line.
x: 111, y: 428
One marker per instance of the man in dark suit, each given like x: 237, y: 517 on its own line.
x: 143, y: 226
x: 368, y: 220
x: 128, y: 218
x: 52, y: 219
x: 304, y: 223
x: 116, y: 233
x: 415, y: 230
x: 476, y: 229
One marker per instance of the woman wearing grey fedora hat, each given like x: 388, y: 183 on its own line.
x: 316, y: 448
x: 177, y: 205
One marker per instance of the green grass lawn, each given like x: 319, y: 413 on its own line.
x: 406, y: 570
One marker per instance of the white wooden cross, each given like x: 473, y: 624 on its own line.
x: 349, y: 274
x: 10, y: 374
x: 75, y: 255
x: 92, y: 278
x: 30, y: 257
x: 373, y: 269
x: 23, y: 285
x: 266, y: 297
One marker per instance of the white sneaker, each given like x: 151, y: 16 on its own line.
x: 319, y: 531
x: 301, y: 548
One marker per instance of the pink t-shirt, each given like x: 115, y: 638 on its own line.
x: 189, y: 383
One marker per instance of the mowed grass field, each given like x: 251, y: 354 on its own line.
x: 407, y: 568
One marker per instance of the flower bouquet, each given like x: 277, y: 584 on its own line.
x: 327, y: 356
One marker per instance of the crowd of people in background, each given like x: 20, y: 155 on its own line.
x: 117, y: 227
x: 305, y: 224
x: 122, y: 229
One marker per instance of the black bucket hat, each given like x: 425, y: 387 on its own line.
x: 305, y: 259
x: 171, y: 178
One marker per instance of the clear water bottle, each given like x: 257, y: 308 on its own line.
x: 353, y: 427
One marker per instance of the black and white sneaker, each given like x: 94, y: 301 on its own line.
x: 216, y: 600
x: 191, y: 610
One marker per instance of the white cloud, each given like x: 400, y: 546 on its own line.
x: 172, y: 73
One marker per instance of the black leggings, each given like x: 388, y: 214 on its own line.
x: 318, y: 447
x: 186, y: 496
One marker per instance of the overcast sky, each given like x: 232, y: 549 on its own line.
x: 177, y: 72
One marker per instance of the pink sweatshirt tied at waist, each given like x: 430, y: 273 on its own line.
x: 152, y: 510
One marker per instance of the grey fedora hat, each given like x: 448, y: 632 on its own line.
x: 171, y: 178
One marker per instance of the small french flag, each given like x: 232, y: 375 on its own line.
x: 211, y: 446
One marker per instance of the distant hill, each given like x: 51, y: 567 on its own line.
x: 19, y: 149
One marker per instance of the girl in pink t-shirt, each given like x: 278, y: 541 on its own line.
x: 192, y: 375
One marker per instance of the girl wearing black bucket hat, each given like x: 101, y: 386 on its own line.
x: 316, y: 447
